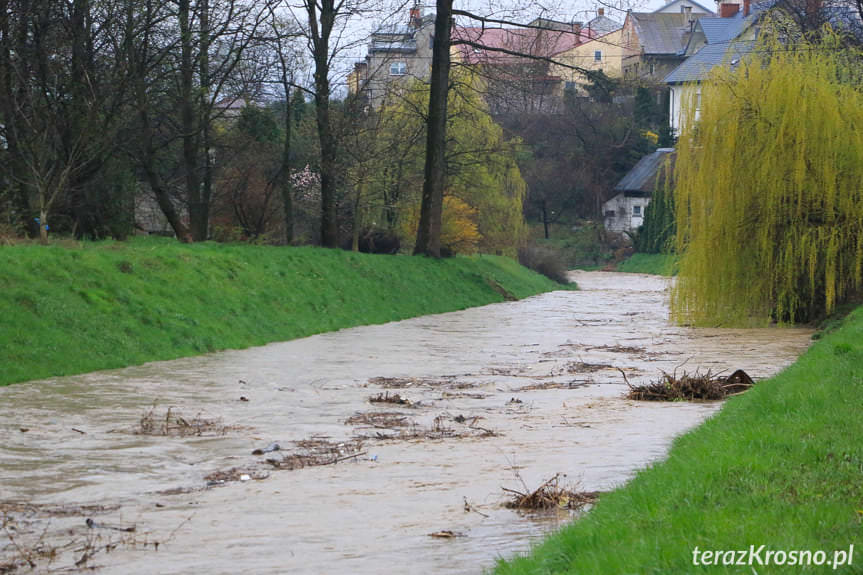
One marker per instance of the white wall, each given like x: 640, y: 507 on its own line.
x: 682, y: 97
x: 625, y: 218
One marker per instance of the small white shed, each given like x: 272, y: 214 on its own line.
x: 624, y: 212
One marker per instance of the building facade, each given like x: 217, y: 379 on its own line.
x: 397, y: 55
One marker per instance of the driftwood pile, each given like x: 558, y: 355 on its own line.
x: 690, y: 386
x: 174, y: 424
x: 317, y: 451
x: 550, y: 495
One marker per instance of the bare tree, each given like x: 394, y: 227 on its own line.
x: 428, y: 234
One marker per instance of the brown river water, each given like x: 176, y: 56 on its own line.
x: 69, y: 448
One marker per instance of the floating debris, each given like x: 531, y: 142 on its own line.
x: 445, y: 381
x: 574, y: 367
x: 268, y: 449
x: 437, y: 430
x: 91, y: 524
x: 618, y: 349
x: 446, y: 534
x: 572, y: 384
x: 379, y: 419
x: 690, y: 387
x: 387, y: 398
x: 174, y: 424
x: 317, y: 451
x: 550, y: 495
x: 217, y: 478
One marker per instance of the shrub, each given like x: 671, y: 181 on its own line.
x: 546, y: 261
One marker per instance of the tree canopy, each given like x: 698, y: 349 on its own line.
x: 769, y: 201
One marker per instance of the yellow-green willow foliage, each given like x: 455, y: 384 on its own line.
x: 769, y: 196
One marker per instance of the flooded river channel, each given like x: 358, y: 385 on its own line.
x: 497, y: 395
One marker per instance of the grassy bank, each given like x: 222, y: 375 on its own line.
x: 657, y: 264
x: 85, y: 307
x: 781, y: 466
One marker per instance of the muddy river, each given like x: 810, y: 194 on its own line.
x: 506, y: 395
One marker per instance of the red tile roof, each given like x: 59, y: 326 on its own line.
x: 531, y: 41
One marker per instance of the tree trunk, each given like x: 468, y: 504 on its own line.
x: 428, y: 234
x: 285, y: 169
x: 329, y: 226
x: 545, y: 217
x: 43, y: 227
x: 197, y: 211
x: 202, y: 232
x: 319, y: 34
x: 355, y: 240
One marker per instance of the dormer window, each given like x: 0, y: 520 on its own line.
x: 398, y: 68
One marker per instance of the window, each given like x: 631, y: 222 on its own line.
x: 398, y: 69
x: 597, y: 56
x: 609, y: 213
x: 652, y: 68
x: 636, y: 211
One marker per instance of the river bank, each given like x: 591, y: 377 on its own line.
x: 79, y: 307
x: 780, y: 466
x: 495, y: 395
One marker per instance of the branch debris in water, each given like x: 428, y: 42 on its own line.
x: 550, y: 495
x: 690, y: 387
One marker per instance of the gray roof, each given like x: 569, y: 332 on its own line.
x: 602, y: 25
x: 718, y: 30
x: 662, y: 33
x: 642, y: 177
x: 698, y: 66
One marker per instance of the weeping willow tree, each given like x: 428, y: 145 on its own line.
x: 658, y: 232
x: 769, y: 188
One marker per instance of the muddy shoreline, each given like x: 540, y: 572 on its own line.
x: 500, y: 396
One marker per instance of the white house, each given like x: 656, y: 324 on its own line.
x: 625, y: 211
x: 713, y: 42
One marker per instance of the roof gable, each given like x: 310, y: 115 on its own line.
x: 643, y: 176
x: 673, y: 2
x: 661, y: 33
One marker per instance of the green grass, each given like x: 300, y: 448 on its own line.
x: 83, y: 307
x: 781, y: 465
x: 657, y: 264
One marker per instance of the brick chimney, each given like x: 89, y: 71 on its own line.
x: 747, y: 5
x: 728, y: 10
x: 813, y: 10
x: 416, y: 17
x: 600, y: 12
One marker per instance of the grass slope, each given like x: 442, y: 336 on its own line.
x: 67, y: 310
x: 657, y: 264
x: 781, y: 465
